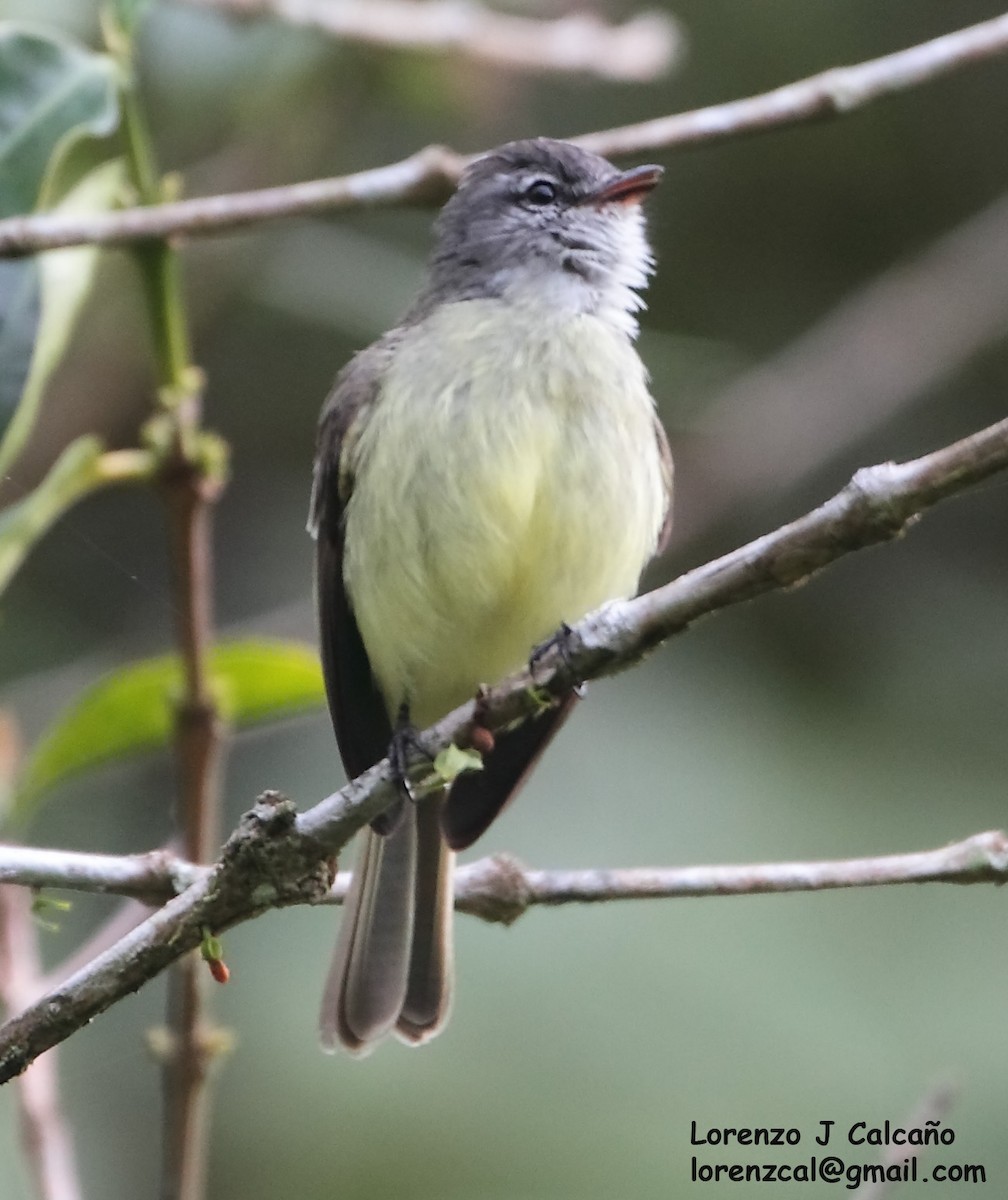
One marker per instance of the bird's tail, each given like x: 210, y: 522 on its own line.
x: 392, y: 968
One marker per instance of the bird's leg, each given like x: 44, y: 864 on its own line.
x: 404, y: 747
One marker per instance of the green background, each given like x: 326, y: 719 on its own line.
x: 863, y: 714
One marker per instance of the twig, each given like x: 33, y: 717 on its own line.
x: 424, y: 178
x: 47, y: 1144
x: 427, y: 177
x: 638, y: 50
x: 277, y: 857
x: 499, y: 888
x: 155, y: 876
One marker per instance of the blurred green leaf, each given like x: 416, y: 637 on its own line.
x: 262, y: 679
x: 73, y: 475
x: 20, y: 304
x: 34, y: 328
x: 51, y: 94
x: 131, y: 711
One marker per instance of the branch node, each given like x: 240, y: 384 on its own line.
x: 495, y: 889
x: 271, y: 864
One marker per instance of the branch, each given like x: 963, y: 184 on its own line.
x: 500, y: 889
x: 639, y: 50
x: 154, y: 877
x: 429, y: 176
x: 276, y: 857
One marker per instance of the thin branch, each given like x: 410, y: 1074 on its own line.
x: 500, y: 888
x: 424, y: 178
x: 832, y: 93
x: 641, y: 49
x: 155, y: 876
x: 47, y: 1144
x: 276, y: 857
x: 429, y: 176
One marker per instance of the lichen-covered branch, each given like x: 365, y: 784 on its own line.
x: 277, y: 857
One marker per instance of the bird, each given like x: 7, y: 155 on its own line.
x: 488, y: 471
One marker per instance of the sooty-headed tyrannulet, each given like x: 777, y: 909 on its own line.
x: 489, y: 469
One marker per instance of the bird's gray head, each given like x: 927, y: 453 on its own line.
x: 545, y: 220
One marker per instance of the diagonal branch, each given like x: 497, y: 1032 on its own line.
x: 641, y: 49
x: 277, y: 857
x: 429, y: 176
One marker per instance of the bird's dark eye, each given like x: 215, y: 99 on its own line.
x: 540, y: 192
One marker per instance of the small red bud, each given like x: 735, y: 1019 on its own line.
x: 219, y: 969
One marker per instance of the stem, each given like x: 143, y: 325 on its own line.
x: 198, y: 749
x: 190, y: 490
x: 158, y: 262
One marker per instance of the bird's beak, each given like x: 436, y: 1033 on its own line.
x: 629, y: 187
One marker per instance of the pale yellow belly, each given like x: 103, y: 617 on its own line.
x: 485, y: 513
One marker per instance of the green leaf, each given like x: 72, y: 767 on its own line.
x: 132, y: 710
x: 453, y: 760
x: 20, y: 305
x: 52, y: 93
x: 35, y: 333
x: 260, y: 680
x: 74, y: 474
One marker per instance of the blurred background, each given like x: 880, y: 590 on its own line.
x: 827, y: 297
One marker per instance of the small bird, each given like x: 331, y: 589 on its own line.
x: 491, y: 468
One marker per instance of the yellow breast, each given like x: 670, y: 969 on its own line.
x: 508, y: 480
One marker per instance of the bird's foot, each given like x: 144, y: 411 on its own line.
x: 404, y: 749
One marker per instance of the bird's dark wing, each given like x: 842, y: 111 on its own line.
x: 358, y: 711
x: 665, y: 454
x: 477, y: 797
